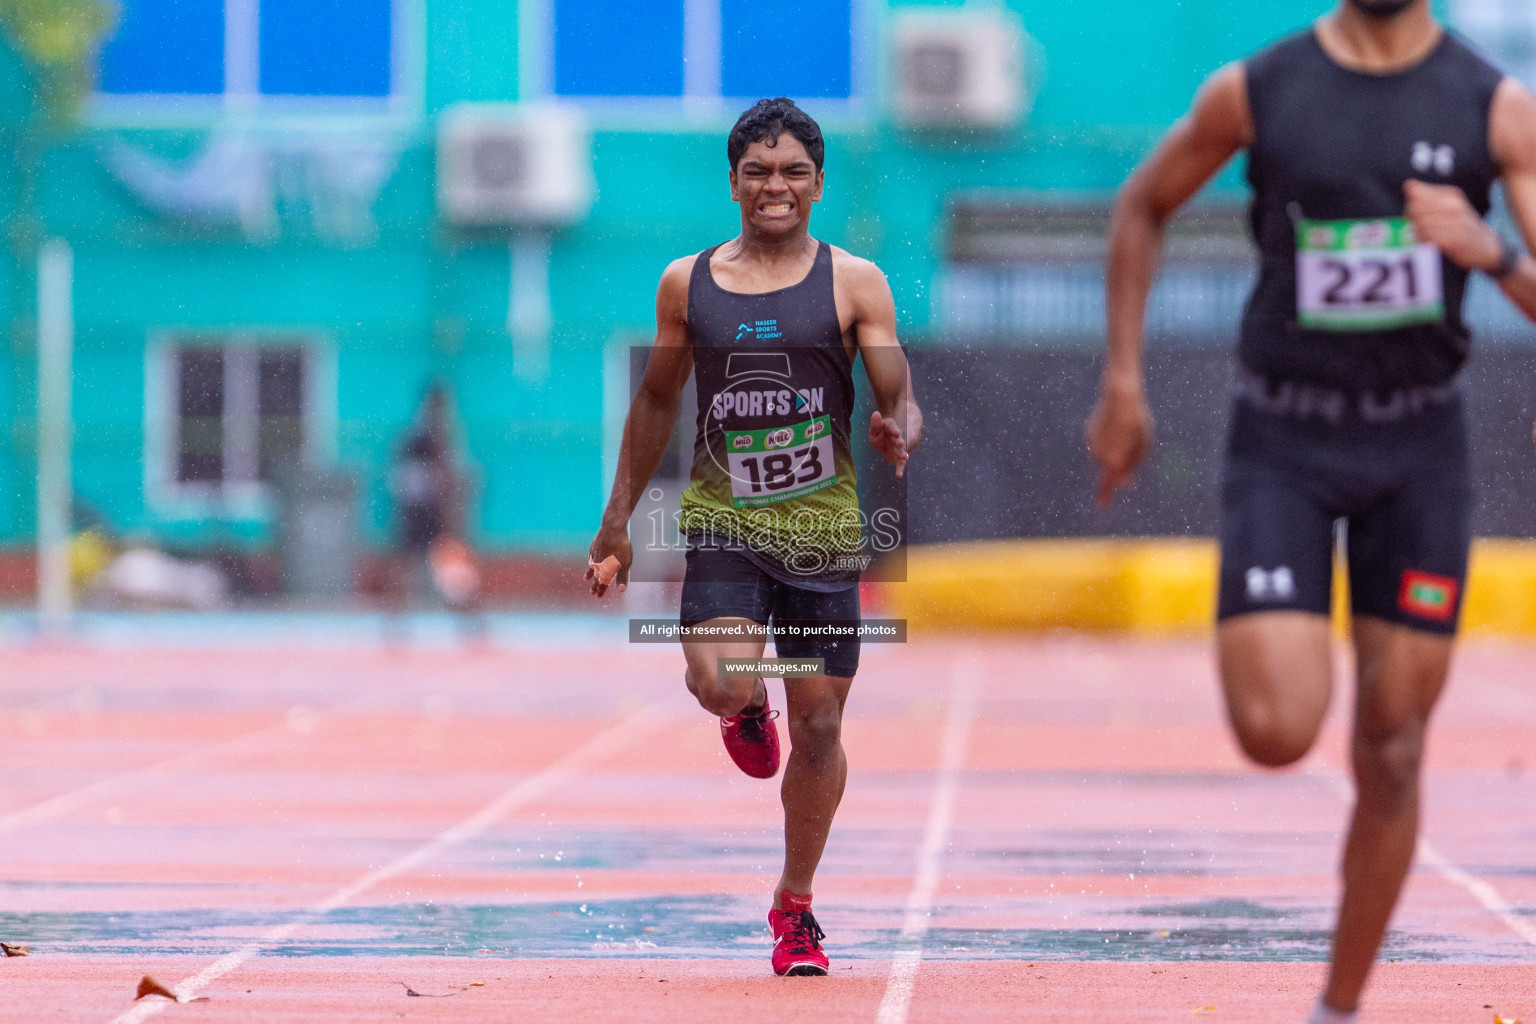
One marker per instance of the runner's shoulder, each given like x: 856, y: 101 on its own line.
x: 672, y: 292
x: 679, y: 270
x: 856, y: 271
x: 1512, y: 127
x: 674, y: 279
x: 1221, y: 113
x: 1516, y: 97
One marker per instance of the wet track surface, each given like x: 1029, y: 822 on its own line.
x: 166, y: 806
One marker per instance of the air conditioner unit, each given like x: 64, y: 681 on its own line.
x: 513, y: 166
x: 958, y: 68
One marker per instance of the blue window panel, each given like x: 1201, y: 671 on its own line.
x: 174, y: 47
x: 797, y: 48
x: 325, y: 47
x: 618, y: 47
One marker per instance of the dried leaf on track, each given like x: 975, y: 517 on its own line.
x: 148, y: 986
x: 438, y: 995
x: 1203, y: 1009
x: 12, y: 949
x: 1504, y: 1020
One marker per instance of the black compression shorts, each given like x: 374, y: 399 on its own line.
x: 720, y: 583
x: 1403, y: 489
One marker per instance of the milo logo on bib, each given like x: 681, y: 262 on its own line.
x: 1366, y: 275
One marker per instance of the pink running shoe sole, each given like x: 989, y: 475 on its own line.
x: 753, y: 742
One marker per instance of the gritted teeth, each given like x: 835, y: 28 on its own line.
x: 776, y: 207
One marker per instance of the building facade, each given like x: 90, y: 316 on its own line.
x: 263, y: 271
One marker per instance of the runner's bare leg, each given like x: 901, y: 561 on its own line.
x: 719, y: 695
x: 1401, y: 673
x: 815, y: 776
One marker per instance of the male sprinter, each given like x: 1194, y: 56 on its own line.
x: 1373, y: 141
x: 771, y: 322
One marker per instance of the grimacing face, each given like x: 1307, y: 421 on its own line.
x: 776, y: 184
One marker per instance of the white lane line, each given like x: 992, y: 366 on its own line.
x: 1428, y: 854
x: 897, y: 1001
x: 1481, y: 891
x: 76, y: 798
x: 606, y: 743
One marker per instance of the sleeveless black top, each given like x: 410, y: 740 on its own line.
x: 773, y: 471
x: 1335, y: 145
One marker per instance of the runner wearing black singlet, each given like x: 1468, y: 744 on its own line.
x: 770, y: 324
x: 1373, y: 141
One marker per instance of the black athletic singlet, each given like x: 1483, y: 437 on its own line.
x: 773, y: 471
x: 1346, y: 297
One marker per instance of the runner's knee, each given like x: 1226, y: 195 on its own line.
x: 1276, y: 672
x: 817, y: 729
x: 723, y: 697
x: 1387, y: 764
x: 1270, y: 735
x: 1274, y: 748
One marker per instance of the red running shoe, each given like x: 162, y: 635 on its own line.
x: 753, y: 741
x: 796, y: 938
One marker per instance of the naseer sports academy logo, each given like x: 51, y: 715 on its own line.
x: 759, y: 330
x: 1428, y: 596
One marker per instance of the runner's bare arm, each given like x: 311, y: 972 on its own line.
x: 1119, y: 431
x: 1513, y: 128
x: 1443, y: 216
x: 652, y: 415
x: 896, y: 428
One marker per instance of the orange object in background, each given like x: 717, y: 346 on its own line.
x: 454, y: 571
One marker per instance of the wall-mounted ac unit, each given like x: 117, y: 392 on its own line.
x: 511, y: 165
x: 958, y: 68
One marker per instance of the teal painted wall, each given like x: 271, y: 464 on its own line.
x: 417, y: 299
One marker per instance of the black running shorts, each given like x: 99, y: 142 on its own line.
x: 720, y: 583
x: 1403, y: 490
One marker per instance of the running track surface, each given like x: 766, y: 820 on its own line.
x: 1034, y: 830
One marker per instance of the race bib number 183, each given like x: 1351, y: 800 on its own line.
x: 774, y: 465
x: 1365, y: 275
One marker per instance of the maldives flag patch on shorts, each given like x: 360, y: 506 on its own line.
x: 1428, y: 596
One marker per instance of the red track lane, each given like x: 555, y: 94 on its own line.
x: 1109, y: 856
x: 303, y: 991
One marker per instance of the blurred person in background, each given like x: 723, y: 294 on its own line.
x: 771, y: 323
x: 1374, y: 140
x: 432, y: 559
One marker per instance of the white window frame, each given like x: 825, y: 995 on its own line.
x: 249, y: 499
x: 701, y: 71
x: 242, y: 104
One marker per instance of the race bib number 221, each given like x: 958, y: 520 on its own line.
x: 1365, y: 275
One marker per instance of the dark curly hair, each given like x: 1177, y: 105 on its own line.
x: 766, y: 120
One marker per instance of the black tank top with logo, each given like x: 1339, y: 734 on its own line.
x: 1347, y: 297
x: 773, y: 471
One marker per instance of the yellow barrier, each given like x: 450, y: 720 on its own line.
x: 1164, y: 587
x: 1501, y: 590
